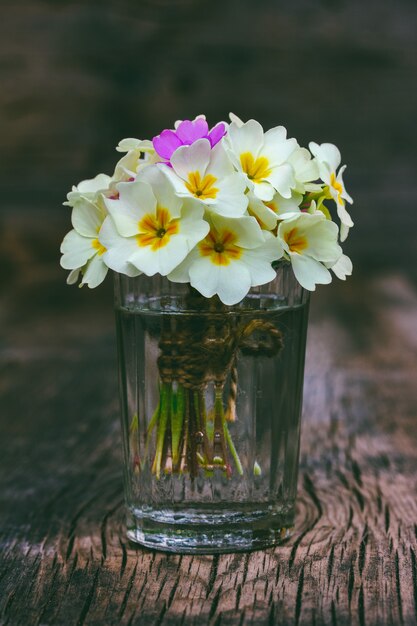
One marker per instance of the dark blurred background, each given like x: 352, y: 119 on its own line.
x: 78, y: 76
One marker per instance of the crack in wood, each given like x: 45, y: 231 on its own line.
x: 362, y: 549
x: 299, y: 597
x: 88, y: 600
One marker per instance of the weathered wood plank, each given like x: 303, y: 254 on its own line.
x: 353, y: 557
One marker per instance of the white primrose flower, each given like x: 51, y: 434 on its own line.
x: 88, y: 189
x: 139, y: 154
x: 328, y: 159
x: 306, y: 170
x: 235, y: 256
x: 268, y: 213
x: 81, y: 248
x: 158, y: 228
x: 342, y: 268
x: 310, y: 240
x: 130, y: 143
x: 262, y: 157
x: 207, y: 175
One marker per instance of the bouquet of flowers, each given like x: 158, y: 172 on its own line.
x: 218, y: 209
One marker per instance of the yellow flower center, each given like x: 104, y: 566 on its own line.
x: 220, y: 247
x: 202, y: 188
x: 337, y: 186
x: 255, y: 169
x: 157, y: 230
x: 295, y: 241
x: 98, y: 246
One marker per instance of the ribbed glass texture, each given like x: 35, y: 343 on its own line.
x: 211, y: 400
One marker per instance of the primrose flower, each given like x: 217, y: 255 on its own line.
x: 262, y: 158
x: 306, y: 170
x: 233, y: 257
x: 139, y: 154
x: 213, y: 207
x: 81, y: 248
x: 207, y: 174
x: 309, y: 240
x: 185, y: 134
x: 268, y: 213
x: 328, y: 159
x: 159, y: 229
x: 342, y: 268
x: 88, y: 189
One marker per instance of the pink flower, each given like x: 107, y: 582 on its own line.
x: 185, y: 134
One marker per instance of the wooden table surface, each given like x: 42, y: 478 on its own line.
x: 65, y: 559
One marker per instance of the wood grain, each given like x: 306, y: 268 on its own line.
x: 64, y: 557
x: 75, y: 80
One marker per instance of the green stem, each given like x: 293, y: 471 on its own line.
x: 151, y: 426
x: 177, y: 420
x: 233, y: 450
x: 162, y: 424
x: 226, y: 440
x: 219, y: 439
x: 134, y: 444
x: 202, y: 424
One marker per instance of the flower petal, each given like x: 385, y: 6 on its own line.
x: 235, y: 120
x: 344, y: 216
x: 118, y: 249
x: 246, y: 138
x: 258, y: 261
x: 342, y: 268
x: 194, y: 158
x: 246, y: 229
x: 163, y: 260
x: 177, y: 183
x: 230, y: 282
x: 234, y: 282
x: 339, y: 178
x: 305, y: 168
x: 344, y: 232
x: 76, y: 250
x: 264, y: 191
x: 231, y: 201
x: 88, y: 189
x: 73, y: 276
x: 136, y: 200
x: 204, y: 276
x: 87, y: 218
x: 189, y: 131
x: 220, y: 164
x: 162, y: 188
x: 282, y: 206
x: 282, y: 178
x: 216, y: 133
x: 277, y: 148
x: 128, y: 144
x: 309, y: 272
x: 192, y: 225
x: 181, y: 273
x: 166, y: 143
x: 95, y: 272
x: 263, y: 214
x: 326, y: 153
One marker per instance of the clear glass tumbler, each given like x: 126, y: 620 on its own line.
x: 211, y: 400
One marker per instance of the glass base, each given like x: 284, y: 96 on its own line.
x: 202, y: 531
